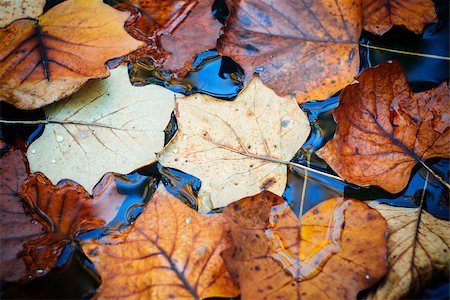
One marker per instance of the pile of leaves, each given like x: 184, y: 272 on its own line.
x: 236, y: 235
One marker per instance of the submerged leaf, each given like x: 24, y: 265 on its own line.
x: 44, y: 60
x: 222, y: 143
x: 108, y: 126
x: 384, y: 129
x: 171, y: 252
x: 11, y: 10
x: 336, y: 250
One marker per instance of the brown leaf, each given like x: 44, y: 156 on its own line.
x: 171, y: 252
x: 16, y: 228
x: 65, y: 211
x: 175, y: 31
x: 44, y: 60
x: 379, y: 15
x: 340, y: 250
x: 384, y: 129
x: 11, y: 10
x: 308, y: 50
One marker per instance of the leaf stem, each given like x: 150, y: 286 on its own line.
x: 405, y: 52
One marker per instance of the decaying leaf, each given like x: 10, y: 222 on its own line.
x: 380, y: 15
x: 418, y: 250
x: 171, y: 252
x: 337, y: 250
x: 384, y: 129
x: 44, y: 60
x: 307, y: 49
x: 64, y: 211
x: 11, y: 10
x: 219, y: 142
x: 16, y: 228
x: 107, y: 126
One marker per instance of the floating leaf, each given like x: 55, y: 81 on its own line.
x: 12, y: 10
x: 305, y: 49
x: 235, y: 147
x: 340, y: 250
x: 44, y: 60
x: 108, y: 126
x: 171, y: 252
x: 379, y: 15
x: 384, y: 129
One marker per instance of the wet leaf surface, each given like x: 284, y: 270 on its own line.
x: 12, y: 10
x: 171, y: 252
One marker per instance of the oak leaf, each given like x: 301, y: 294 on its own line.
x: 418, y: 250
x: 171, y: 252
x: 379, y: 15
x: 12, y: 10
x: 44, y: 60
x: 336, y: 250
x: 235, y: 147
x: 107, y: 126
x: 384, y: 129
x: 306, y: 49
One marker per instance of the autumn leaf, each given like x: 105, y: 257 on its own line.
x: 16, y: 228
x: 379, y: 15
x: 384, y: 129
x: 337, y: 250
x: 44, y: 60
x: 418, y: 248
x: 236, y: 148
x: 174, y: 31
x: 309, y: 50
x: 107, y: 126
x: 171, y: 252
x: 64, y: 211
x: 12, y: 10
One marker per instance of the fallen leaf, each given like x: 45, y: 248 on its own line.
x: 64, y: 211
x: 108, y: 126
x: 44, y: 60
x: 222, y: 143
x: 12, y: 10
x: 171, y: 252
x: 337, y: 250
x: 379, y: 15
x: 309, y: 50
x: 16, y: 228
x: 174, y: 31
x: 418, y: 248
x: 384, y: 129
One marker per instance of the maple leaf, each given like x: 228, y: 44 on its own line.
x: 12, y: 10
x: 384, y: 129
x: 379, y: 15
x: 236, y: 148
x: 307, y: 49
x: 44, y: 60
x: 418, y: 248
x: 171, y: 252
x: 64, y: 211
x: 336, y: 250
x: 98, y: 119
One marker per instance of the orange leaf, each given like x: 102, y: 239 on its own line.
x: 380, y: 15
x: 338, y: 249
x: 384, y: 129
x: 310, y: 50
x: 44, y: 60
x: 171, y: 252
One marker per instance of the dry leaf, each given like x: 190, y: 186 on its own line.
x: 340, y: 250
x: 108, y: 126
x: 418, y: 250
x: 11, y: 10
x: 380, y: 15
x: 44, y: 60
x: 64, y: 211
x: 216, y: 140
x: 171, y: 252
x: 384, y: 129
x: 309, y: 50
